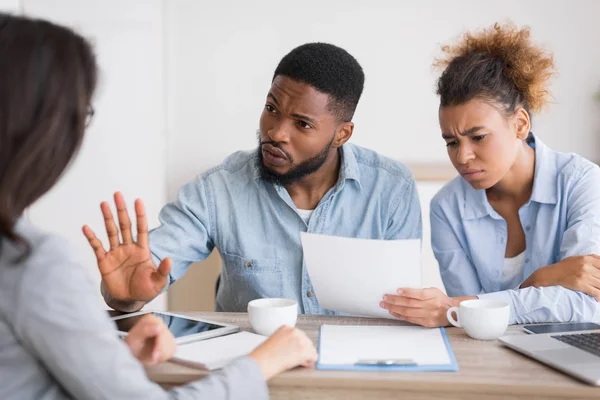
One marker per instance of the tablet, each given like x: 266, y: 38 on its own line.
x: 185, y: 329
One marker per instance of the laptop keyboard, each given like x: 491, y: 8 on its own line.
x: 589, y: 342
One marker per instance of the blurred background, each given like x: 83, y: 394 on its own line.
x: 183, y: 84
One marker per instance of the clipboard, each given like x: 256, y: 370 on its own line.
x: 385, y: 348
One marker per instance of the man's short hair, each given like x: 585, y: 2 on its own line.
x: 330, y: 70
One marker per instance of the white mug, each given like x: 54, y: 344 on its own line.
x: 268, y: 315
x: 482, y: 319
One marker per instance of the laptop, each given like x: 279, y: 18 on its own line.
x: 576, y: 354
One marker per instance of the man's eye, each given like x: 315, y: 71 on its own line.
x: 270, y: 108
x: 479, y: 138
x: 304, y: 125
x: 452, y: 143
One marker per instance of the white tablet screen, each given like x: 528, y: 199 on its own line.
x: 177, y: 325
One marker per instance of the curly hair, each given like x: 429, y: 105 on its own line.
x: 330, y: 70
x: 499, y: 64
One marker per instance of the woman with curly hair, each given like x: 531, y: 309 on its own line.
x: 521, y: 223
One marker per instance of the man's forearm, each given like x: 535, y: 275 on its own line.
x: 120, y: 305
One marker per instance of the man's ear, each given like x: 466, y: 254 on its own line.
x: 522, y: 123
x: 343, y: 134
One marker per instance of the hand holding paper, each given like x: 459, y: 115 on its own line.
x: 352, y: 275
x: 425, y: 307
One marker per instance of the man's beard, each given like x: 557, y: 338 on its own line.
x: 295, y: 173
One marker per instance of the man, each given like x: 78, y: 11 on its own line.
x: 304, y: 177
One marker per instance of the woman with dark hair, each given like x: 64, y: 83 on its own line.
x: 521, y: 223
x: 55, y: 342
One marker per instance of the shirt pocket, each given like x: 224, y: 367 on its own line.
x: 247, y: 278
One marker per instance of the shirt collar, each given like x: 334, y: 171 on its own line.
x: 544, y: 184
x: 349, y: 166
x: 545, y: 189
x: 476, y: 202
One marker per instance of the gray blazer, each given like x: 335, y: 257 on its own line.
x: 57, y: 342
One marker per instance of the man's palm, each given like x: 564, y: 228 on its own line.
x: 128, y: 272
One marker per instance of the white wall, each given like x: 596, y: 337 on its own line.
x: 11, y: 6
x: 221, y: 56
x: 124, y: 148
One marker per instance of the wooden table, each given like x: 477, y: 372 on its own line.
x: 487, y: 371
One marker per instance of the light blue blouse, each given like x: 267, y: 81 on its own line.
x: 561, y: 219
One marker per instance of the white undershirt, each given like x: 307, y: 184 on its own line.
x: 512, y: 270
x: 305, y: 215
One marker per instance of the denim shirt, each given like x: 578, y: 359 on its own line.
x: 256, y: 226
x: 561, y: 219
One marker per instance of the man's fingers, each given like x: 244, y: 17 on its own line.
x: 399, y: 316
x: 111, y: 228
x: 142, y: 223
x: 165, y: 267
x: 160, y: 277
x: 94, y: 242
x: 124, y: 221
x: 412, y: 320
x: 408, y: 312
x: 403, y: 301
x: 419, y: 294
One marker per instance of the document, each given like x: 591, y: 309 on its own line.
x: 409, y: 348
x: 216, y: 353
x: 352, y: 275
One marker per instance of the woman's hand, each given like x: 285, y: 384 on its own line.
x: 425, y: 307
x: 150, y: 341
x: 286, y: 348
x: 579, y: 273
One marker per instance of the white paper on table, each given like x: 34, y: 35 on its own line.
x: 352, y: 275
x: 347, y: 344
x: 216, y: 353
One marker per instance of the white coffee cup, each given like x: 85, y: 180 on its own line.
x: 482, y: 319
x: 268, y: 315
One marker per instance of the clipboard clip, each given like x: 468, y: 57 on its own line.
x: 386, y: 362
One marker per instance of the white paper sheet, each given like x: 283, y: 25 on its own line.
x: 347, y: 344
x: 217, y: 352
x: 352, y: 275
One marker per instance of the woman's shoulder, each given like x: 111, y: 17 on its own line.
x: 45, y: 249
x: 574, y: 167
x: 450, y: 195
x: 561, y: 166
x: 48, y: 268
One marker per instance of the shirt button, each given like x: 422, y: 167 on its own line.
x: 527, y: 228
x: 309, y: 294
x: 248, y: 264
x: 527, y: 261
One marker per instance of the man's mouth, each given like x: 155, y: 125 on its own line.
x: 273, y: 155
